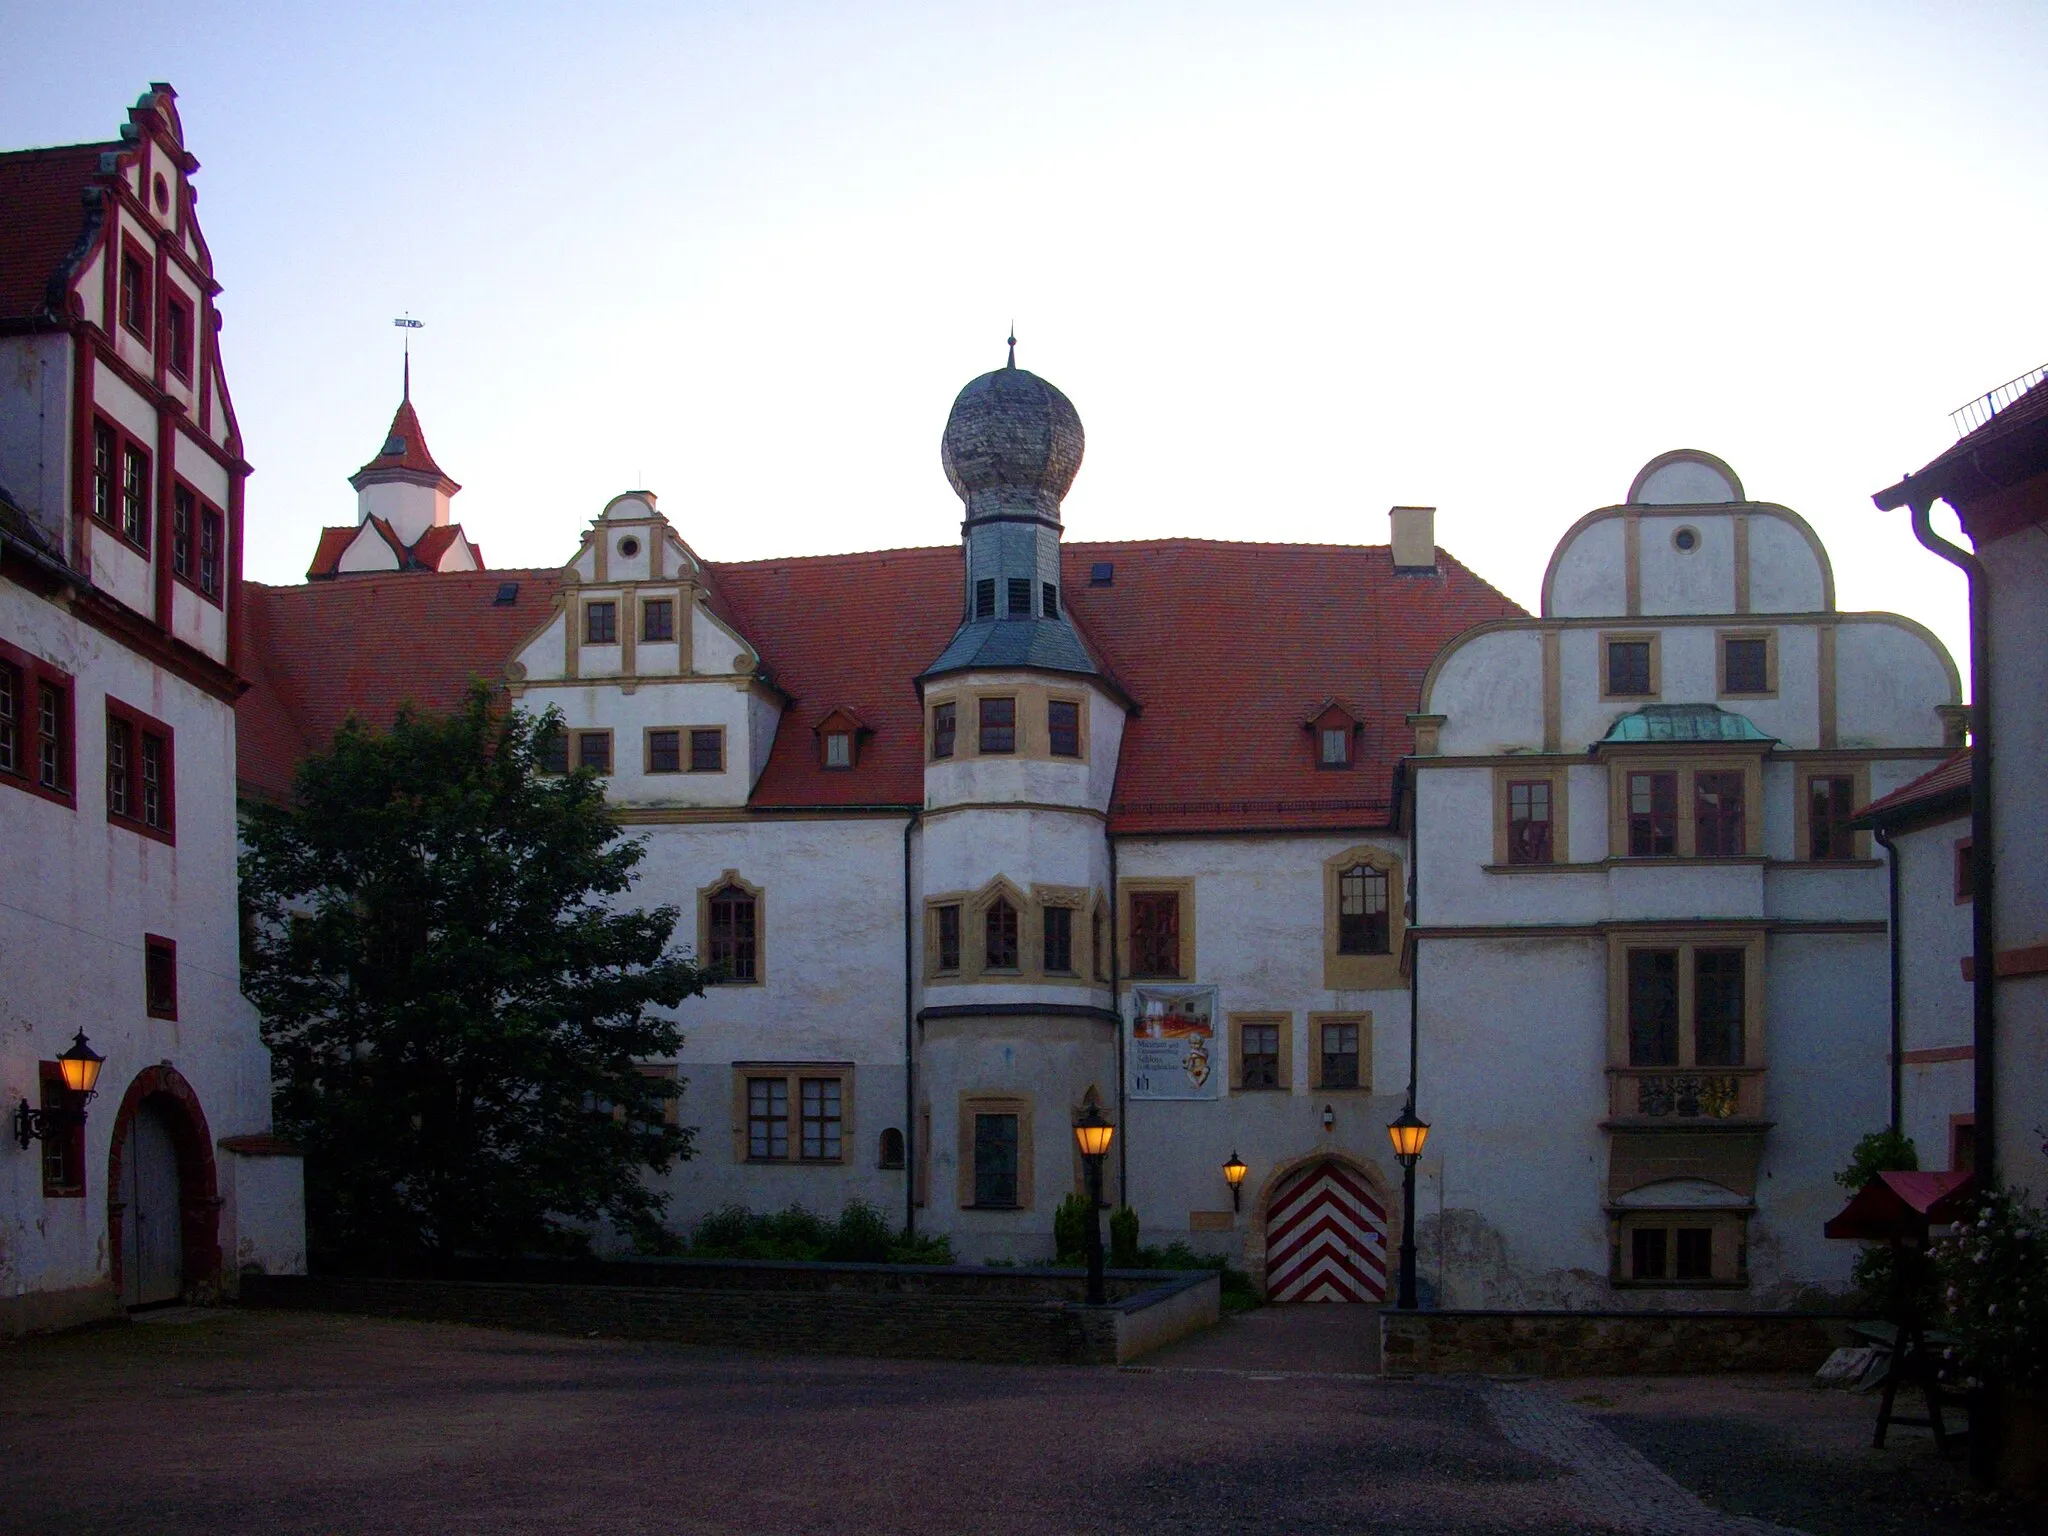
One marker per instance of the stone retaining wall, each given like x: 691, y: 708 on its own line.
x: 959, y: 1318
x: 1605, y: 1343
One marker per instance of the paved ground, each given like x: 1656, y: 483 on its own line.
x: 277, y: 1422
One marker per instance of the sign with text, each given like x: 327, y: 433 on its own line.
x: 1172, y: 1047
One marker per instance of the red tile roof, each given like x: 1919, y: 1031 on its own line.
x: 43, y: 219
x: 434, y: 543
x: 1949, y: 782
x: 1224, y: 647
x: 424, y: 555
x: 410, y: 456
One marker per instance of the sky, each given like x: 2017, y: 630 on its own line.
x: 1292, y: 263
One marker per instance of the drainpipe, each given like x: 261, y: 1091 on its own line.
x: 910, y: 1148
x: 1983, y: 926
x: 1116, y: 1006
x: 1891, y: 854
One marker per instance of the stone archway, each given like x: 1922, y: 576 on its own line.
x: 1384, y: 1191
x: 169, y: 1099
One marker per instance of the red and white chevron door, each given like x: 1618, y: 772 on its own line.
x: 1326, y: 1238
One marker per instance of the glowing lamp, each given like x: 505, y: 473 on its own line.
x: 80, y: 1066
x: 1408, y: 1133
x: 1093, y: 1132
x: 1233, y: 1175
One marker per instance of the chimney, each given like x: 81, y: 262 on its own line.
x: 1414, y: 538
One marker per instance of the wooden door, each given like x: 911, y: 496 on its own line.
x: 152, y: 1227
x: 1326, y: 1238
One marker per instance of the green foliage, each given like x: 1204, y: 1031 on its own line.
x: 1239, y: 1294
x: 1887, y: 1151
x: 861, y: 1234
x: 1994, y: 1269
x: 1123, y: 1238
x: 1070, y: 1229
x: 455, y: 997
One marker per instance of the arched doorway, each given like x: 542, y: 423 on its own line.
x: 1326, y: 1234
x: 163, y: 1203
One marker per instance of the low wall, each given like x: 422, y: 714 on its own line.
x: 1606, y: 1343
x: 907, y: 1311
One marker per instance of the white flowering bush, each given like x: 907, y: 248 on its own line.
x: 1994, y: 1273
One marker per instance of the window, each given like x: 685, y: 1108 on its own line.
x: 1338, y: 1048
x: 1628, y: 668
x: 13, y: 729
x: 1830, y: 802
x: 1063, y: 727
x: 53, y: 737
x: 943, y: 724
x: 1258, y: 1061
x: 1717, y: 1007
x: 1652, y: 815
x: 210, y: 546
x: 64, y: 1143
x: 1746, y: 664
x: 838, y: 749
x: 1362, y: 927
x: 664, y: 751
x: 1000, y: 936
x: 35, y: 725
x: 135, y: 495
x: 998, y: 725
x: 767, y: 1118
x: 1653, y: 1007
x: 946, y: 920
x: 733, y: 950
x: 1335, y: 749
x: 178, y: 338
x: 995, y: 1160
x: 890, y: 1153
x: 1695, y: 1253
x: 985, y: 598
x: 1660, y: 1254
x: 821, y: 1119
x: 553, y: 753
x: 1096, y: 947
x: 1051, y: 596
x: 1647, y: 1247
x: 707, y: 750
x: 135, y: 293
x: 105, y: 445
x: 658, y: 619
x: 1966, y: 870
x: 160, y: 977
x: 1020, y: 597
x: 1155, y: 933
x: 1059, y: 940
x: 594, y: 751
x: 1529, y: 822
x: 601, y: 623
x: 1717, y: 815
x: 140, y: 764
x: 184, y: 513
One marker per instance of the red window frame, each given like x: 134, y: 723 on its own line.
x: 106, y: 453
x: 1652, y: 815
x: 159, y: 976
x: 135, y: 493
x: 197, y: 535
x: 1155, y: 933
x: 1717, y: 814
x: 142, y: 783
x: 178, y: 312
x: 23, y: 767
x: 134, y: 286
x: 1531, y: 828
x: 114, y: 451
x: 64, y: 1141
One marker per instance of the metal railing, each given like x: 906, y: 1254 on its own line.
x: 1968, y: 418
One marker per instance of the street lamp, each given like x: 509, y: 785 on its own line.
x: 1408, y: 1132
x: 1093, y: 1134
x: 1233, y: 1175
x: 79, y: 1066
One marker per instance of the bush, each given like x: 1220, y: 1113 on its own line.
x: 1887, y: 1151
x: 1070, y: 1229
x: 860, y: 1235
x: 1123, y: 1238
x: 1995, y: 1273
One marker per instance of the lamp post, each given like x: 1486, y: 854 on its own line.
x: 1408, y: 1133
x: 1233, y: 1175
x: 1093, y: 1134
x: 79, y: 1066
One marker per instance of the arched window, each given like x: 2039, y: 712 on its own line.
x: 1001, y: 950
x: 734, y: 950
x: 892, y: 1148
x: 1362, y: 911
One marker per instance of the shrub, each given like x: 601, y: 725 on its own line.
x: 1887, y: 1151
x: 1123, y: 1238
x: 1994, y: 1270
x: 861, y: 1234
x: 1070, y: 1229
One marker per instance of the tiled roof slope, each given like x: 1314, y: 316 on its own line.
x: 42, y: 217
x: 1225, y: 647
x: 318, y: 653
x: 405, y: 448
x: 1944, y: 787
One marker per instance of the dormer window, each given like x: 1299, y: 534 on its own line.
x: 1335, y: 751
x: 839, y: 749
x: 1020, y: 597
x: 1333, y: 729
x: 839, y: 735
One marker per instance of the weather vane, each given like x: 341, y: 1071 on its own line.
x: 407, y: 324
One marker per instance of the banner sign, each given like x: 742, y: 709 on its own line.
x: 1172, y: 1052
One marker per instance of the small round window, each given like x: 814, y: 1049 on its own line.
x: 1686, y: 540
x: 162, y: 189
x: 629, y: 547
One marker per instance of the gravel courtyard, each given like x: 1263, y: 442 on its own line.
x: 283, y: 1422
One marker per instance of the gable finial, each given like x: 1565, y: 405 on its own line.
x: 1013, y: 344
x: 407, y: 324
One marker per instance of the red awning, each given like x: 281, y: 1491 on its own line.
x: 1902, y: 1206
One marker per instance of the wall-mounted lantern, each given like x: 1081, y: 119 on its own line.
x: 1329, y: 1117
x: 80, y: 1068
x: 1233, y: 1175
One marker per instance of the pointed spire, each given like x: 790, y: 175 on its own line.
x: 1013, y: 345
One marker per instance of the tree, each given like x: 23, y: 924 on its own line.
x: 455, y: 1002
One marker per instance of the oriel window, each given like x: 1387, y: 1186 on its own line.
x: 1362, y: 924
x: 1717, y: 822
x: 1717, y: 1007
x: 1063, y: 727
x: 1653, y: 1007
x: 947, y: 921
x: 1652, y: 815
x: 735, y: 945
x: 1059, y: 940
x: 1000, y: 927
x: 944, y: 720
x: 995, y: 1160
x: 998, y: 726
x: 1831, y: 801
x: 1529, y: 824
